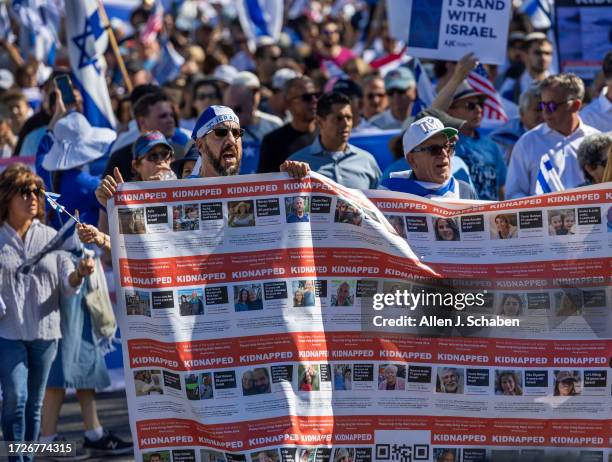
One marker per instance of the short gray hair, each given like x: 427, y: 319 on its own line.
x: 291, y: 82
x: 528, y: 96
x: 570, y: 83
x: 593, y: 151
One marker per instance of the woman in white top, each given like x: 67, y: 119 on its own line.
x: 30, y: 283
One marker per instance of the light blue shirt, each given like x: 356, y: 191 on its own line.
x: 353, y: 168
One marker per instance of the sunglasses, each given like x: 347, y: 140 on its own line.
x: 372, y: 96
x: 329, y: 31
x: 158, y: 156
x: 223, y: 132
x: 437, y: 149
x: 471, y: 106
x: 308, y: 97
x: 26, y: 191
x: 206, y: 95
x: 551, y: 106
x: 395, y: 91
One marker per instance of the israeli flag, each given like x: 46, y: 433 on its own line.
x: 169, y: 65
x: 66, y: 239
x: 5, y: 24
x: 425, y: 90
x: 39, y: 21
x: 260, y: 18
x: 548, y: 179
x: 87, y: 41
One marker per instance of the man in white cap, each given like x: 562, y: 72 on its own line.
x: 428, y: 147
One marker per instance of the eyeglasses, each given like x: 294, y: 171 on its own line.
x: 395, y: 91
x: 329, y: 31
x: 471, y: 106
x: 26, y: 191
x: 372, y: 96
x: 437, y: 149
x: 308, y: 97
x: 551, y: 106
x: 542, y: 53
x: 223, y: 132
x: 206, y: 95
x: 159, y: 156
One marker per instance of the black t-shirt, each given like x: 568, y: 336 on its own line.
x: 121, y: 158
x: 279, y: 144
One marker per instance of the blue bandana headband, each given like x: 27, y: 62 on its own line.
x: 212, y: 116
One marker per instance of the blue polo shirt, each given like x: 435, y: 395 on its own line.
x: 353, y: 168
x: 486, y: 163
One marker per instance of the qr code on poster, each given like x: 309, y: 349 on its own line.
x: 398, y: 452
x: 402, y: 445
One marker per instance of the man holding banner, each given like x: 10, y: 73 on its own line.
x: 429, y: 147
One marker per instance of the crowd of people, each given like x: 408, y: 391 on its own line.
x: 237, y: 106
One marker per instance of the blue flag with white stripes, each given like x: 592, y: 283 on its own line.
x: 548, y: 179
x: 87, y: 41
x: 260, y: 18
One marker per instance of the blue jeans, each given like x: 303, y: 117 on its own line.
x: 24, y: 368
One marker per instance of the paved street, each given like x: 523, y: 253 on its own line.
x: 113, y: 413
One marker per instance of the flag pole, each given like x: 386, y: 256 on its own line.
x: 115, y: 46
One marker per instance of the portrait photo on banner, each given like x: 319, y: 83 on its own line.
x: 304, y: 293
x: 248, y: 297
x: 240, y: 214
x: 132, y: 221
x: 186, y: 217
x: 297, y: 209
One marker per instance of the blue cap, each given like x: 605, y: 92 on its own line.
x: 212, y: 116
x: 148, y: 141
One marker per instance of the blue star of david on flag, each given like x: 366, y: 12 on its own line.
x: 93, y: 28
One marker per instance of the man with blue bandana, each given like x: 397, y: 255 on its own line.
x: 218, y: 136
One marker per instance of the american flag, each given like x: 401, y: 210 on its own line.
x: 153, y: 25
x: 478, y: 79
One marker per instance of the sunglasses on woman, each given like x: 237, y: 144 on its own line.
x: 223, y: 132
x: 26, y: 191
x: 159, y: 156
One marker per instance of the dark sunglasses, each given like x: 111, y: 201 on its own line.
x: 329, y: 31
x: 372, y: 96
x: 223, y: 132
x: 158, y: 156
x: 437, y: 149
x: 206, y: 95
x: 308, y: 97
x: 471, y: 106
x: 551, y: 106
x: 395, y: 91
x: 26, y: 191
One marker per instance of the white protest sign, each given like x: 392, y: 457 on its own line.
x: 449, y: 29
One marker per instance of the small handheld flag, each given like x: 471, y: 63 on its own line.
x: 52, y: 200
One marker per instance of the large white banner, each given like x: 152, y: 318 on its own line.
x: 449, y: 29
x: 259, y: 323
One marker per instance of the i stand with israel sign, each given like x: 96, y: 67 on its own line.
x: 449, y: 29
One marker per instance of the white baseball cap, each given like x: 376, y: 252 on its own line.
x: 423, y: 129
